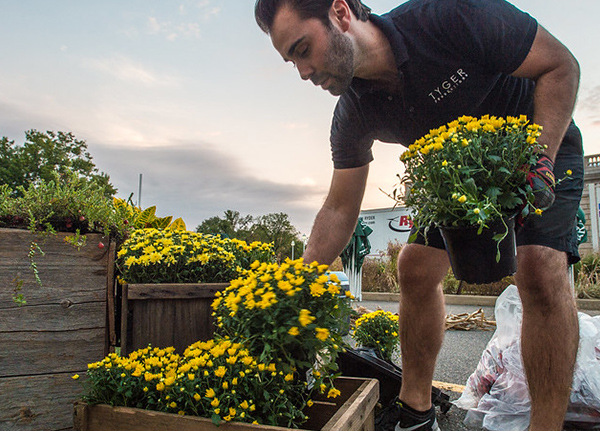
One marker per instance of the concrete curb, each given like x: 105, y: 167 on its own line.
x: 482, y: 301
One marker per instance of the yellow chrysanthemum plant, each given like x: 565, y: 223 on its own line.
x: 179, y: 256
x: 471, y: 172
x: 292, y: 312
x: 216, y: 379
x: 378, y: 330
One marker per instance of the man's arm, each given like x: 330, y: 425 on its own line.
x: 556, y: 74
x: 336, y: 220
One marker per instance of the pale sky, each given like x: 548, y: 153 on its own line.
x: 192, y: 95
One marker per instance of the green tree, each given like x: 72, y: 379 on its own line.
x: 233, y: 225
x: 277, y: 228
x: 45, y: 153
x: 274, y: 227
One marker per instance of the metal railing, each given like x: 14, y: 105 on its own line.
x: 592, y: 161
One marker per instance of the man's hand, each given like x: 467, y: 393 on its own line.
x: 542, y: 182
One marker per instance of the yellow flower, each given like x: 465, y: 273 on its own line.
x: 569, y: 172
x: 462, y: 199
x: 294, y: 331
x: 476, y: 210
x: 445, y: 163
x: 538, y: 211
x: 75, y: 377
x: 305, y: 318
x: 333, y: 393
x: 214, y: 402
x: 322, y: 333
x: 197, y: 397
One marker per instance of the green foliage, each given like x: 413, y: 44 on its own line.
x: 587, y: 276
x: 380, y: 274
x: 141, y: 219
x: 42, y: 155
x: 274, y: 228
x: 378, y: 330
x: 67, y: 203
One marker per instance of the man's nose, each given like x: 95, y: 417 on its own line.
x: 305, y: 70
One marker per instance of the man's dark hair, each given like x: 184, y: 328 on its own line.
x: 265, y: 10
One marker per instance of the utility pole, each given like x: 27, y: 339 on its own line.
x: 140, y: 193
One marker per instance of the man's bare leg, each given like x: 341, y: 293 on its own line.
x: 422, y: 318
x: 550, y: 333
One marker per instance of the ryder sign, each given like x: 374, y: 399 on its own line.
x: 388, y: 224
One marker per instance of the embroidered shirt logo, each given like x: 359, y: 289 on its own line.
x: 449, y: 85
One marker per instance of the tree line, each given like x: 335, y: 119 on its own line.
x: 273, y: 228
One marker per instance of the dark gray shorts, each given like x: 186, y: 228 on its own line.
x: 556, y: 227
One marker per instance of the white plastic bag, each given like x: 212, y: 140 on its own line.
x: 496, y: 394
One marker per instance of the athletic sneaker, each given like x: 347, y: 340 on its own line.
x: 397, y: 417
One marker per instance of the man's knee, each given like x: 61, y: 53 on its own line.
x: 421, y: 267
x: 542, y: 276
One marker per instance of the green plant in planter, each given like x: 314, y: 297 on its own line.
x: 67, y: 203
x: 178, y: 256
x: 378, y: 330
x: 140, y: 219
x: 294, y: 312
x: 217, y: 379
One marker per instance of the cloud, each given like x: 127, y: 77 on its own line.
x: 173, y: 31
x: 590, y: 101
x: 194, y: 181
x: 125, y: 69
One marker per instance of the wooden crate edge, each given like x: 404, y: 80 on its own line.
x: 368, y: 391
x: 351, y: 416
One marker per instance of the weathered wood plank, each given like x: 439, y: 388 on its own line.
x: 167, y: 315
x: 58, y: 332
x: 110, y: 301
x: 66, y: 272
x: 54, y: 317
x: 357, y: 412
x: 85, y: 291
x: 32, y: 353
x: 103, y: 417
x: 38, y: 403
x: 165, y: 323
x: 174, y: 291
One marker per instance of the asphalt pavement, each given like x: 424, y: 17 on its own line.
x: 458, y: 359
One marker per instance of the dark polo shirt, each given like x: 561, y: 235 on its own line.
x: 454, y: 58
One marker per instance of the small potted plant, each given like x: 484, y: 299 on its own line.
x: 378, y: 330
x: 469, y: 178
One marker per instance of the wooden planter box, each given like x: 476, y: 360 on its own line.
x: 166, y: 315
x: 61, y: 329
x: 353, y: 410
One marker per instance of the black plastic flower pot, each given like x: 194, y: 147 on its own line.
x: 473, y: 256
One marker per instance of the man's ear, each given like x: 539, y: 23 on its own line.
x: 341, y: 14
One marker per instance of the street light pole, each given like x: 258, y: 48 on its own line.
x: 293, y: 244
